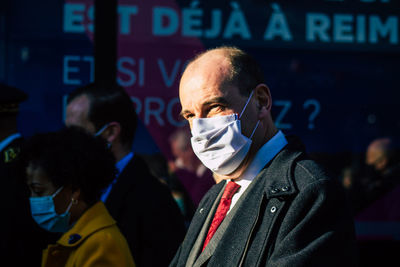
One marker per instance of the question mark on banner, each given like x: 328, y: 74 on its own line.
x: 317, y: 108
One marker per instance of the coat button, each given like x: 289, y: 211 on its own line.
x: 273, y: 209
x: 74, y: 238
x: 274, y: 190
x: 201, y: 210
x: 285, y: 188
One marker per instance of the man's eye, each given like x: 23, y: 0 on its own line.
x: 188, y: 116
x: 217, y: 108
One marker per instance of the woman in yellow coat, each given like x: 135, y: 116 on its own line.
x: 66, y: 172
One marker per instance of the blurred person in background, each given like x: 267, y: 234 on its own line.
x: 66, y: 172
x: 143, y: 207
x: 377, y: 204
x: 382, y: 171
x: 350, y: 179
x: 196, y: 178
x: 22, y: 240
x: 158, y: 166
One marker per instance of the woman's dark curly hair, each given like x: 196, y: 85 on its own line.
x: 72, y: 157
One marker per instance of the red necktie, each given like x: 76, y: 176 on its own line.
x: 222, y: 209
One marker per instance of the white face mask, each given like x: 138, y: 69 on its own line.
x: 219, y: 143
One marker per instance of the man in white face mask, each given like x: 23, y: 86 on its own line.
x: 277, y: 207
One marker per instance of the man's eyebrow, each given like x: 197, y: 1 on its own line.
x: 183, y: 112
x: 214, y: 100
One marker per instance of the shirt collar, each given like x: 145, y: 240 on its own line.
x: 263, y: 156
x: 121, y: 164
x: 8, y: 140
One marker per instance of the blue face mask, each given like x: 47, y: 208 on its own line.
x: 44, y: 213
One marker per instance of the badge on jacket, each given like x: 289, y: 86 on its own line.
x: 11, y: 154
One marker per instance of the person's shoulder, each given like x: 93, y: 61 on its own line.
x: 295, y: 162
x: 107, y: 235
x: 142, y: 180
x: 138, y: 166
x: 109, y: 243
x: 309, y: 171
x: 95, y: 228
x: 137, y: 172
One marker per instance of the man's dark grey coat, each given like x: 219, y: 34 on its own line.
x: 292, y: 214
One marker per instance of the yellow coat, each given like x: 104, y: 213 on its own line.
x: 94, y: 240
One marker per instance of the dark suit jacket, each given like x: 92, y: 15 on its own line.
x: 292, y: 214
x: 146, y: 214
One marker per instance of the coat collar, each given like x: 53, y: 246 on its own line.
x: 92, y: 220
x: 278, y: 182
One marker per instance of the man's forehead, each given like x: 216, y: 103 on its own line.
x: 78, y: 111
x: 206, y: 80
x: 79, y: 103
x: 211, y: 62
x: 204, y: 77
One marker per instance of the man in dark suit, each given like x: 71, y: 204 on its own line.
x: 22, y: 240
x: 275, y: 207
x: 143, y: 207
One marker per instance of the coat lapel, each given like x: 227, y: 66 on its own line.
x: 231, y: 239
x: 198, y: 245
x: 212, y: 245
x: 198, y: 222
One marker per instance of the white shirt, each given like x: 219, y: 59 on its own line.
x: 263, y: 156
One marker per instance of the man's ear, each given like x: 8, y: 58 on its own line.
x: 381, y: 164
x: 263, y: 97
x: 112, y: 132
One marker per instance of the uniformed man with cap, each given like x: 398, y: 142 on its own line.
x: 10, y: 139
x: 20, y: 242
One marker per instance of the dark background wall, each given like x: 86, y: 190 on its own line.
x: 336, y: 87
